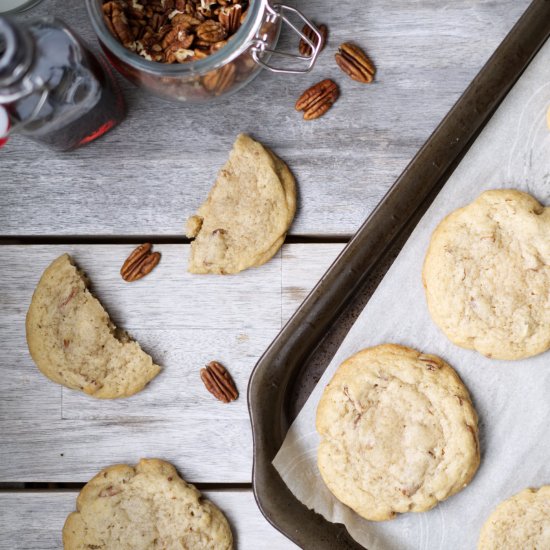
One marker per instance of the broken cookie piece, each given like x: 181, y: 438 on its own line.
x: 247, y: 214
x: 144, y: 507
x: 73, y: 341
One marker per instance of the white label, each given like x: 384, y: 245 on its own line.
x: 4, y: 122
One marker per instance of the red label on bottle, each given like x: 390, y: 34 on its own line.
x: 104, y: 128
x: 4, y: 126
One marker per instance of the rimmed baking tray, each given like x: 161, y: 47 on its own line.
x: 290, y: 368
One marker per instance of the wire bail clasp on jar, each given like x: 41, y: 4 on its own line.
x: 276, y: 13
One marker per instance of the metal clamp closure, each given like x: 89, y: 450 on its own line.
x: 276, y: 13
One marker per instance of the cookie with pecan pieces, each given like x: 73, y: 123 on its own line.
x: 487, y: 275
x: 73, y: 341
x: 521, y: 521
x: 244, y: 221
x: 144, y: 507
x: 398, y: 432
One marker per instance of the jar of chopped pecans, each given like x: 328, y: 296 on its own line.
x: 199, y: 50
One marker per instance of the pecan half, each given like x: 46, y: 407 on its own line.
x: 177, y: 38
x: 185, y: 21
x: 140, y: 263
x: 115, y: 19
x: 318, y: 99
x: 219, y: 382
x: 304, y: 47
x: 355, y: 63
x: 230, y: 18
x: 220, y: 80
x: 211, y: 31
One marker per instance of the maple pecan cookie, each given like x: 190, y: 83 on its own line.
x: 487, y: 275
x: 522, y: 521
x: 398, y: 432
x: 73, y: 341
x: 143, y: 507
x: 244, y: 221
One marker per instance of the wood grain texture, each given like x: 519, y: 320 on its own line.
x: 34, y: 520
x: 50, y: 433
x: 298, y: 274
x: 152, y: 172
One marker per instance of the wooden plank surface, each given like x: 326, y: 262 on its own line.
x: 34, y: 520
x: 148, y: 175
x: 146, y: 178
x: 50, y: 433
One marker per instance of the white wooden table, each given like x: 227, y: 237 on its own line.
x: 142, y: 181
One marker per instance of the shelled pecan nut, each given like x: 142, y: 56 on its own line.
x: 140, y: 263
x: 355, y: 63
x: 304, y: 47
x: 185, y: 21
x: 219, y: 382
x: 211, y: 31
x: 318, y: 99
x: 220, y: 80
x: 117, y: 22
x: 230, y: 18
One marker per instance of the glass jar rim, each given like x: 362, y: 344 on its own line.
x: 238, y: 43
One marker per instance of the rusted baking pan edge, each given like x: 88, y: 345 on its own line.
x: 288, y: 370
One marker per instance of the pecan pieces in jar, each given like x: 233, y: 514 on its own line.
x: 304, y: 47
x: 173, y: 31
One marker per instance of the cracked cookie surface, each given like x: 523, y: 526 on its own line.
x: 522, y: 521
x: 487, y: 275
x: 144, y: 507
x: 244, y: 221
x: 398, y: 432
x: 73, y: 341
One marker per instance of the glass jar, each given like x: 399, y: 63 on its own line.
x: 52, y: 88
x: 224, y: 72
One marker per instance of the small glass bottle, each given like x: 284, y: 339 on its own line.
x: 53, y: 88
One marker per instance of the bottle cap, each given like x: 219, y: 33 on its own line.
x: 4, y: 126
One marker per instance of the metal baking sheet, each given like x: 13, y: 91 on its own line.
x: 292, y: 365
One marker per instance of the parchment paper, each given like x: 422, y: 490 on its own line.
x: 511, y: 398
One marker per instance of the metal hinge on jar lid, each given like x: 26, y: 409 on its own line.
x: 278, y: 13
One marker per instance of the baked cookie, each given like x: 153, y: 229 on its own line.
x: 398, y: 432
x: 244, y: 221
x: 520, y: 522
x: 74, y: 343
x: 141, y: 508
x: 487, y: 275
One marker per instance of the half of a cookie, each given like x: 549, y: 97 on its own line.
x: 244, y: 221
x: 487, y: 275
x: 144, y: 507
x: 73, y: 341
x: 398, y: 432
x: 522, y: 521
